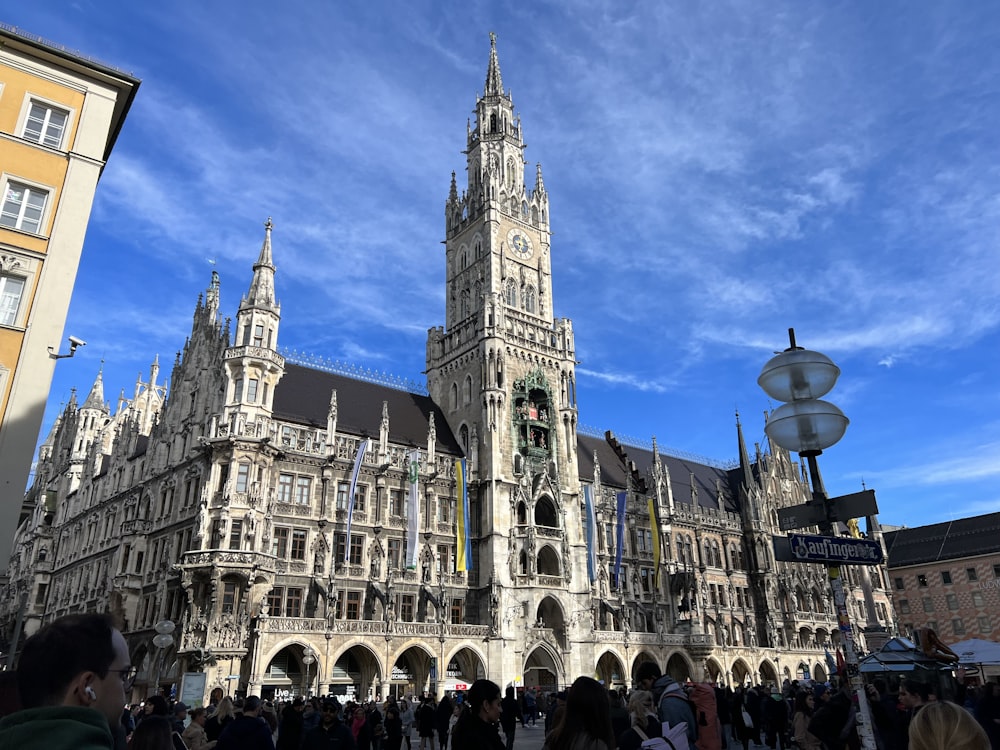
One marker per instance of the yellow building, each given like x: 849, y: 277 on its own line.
x: 60, y: 114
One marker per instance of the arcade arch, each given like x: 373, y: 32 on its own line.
x: 611, y: 671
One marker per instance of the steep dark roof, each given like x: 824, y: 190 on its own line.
x: 950, y: 540
x: 681, y: 472
x: 303, y: 395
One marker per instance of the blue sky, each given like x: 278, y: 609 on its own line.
x: 717, y: 172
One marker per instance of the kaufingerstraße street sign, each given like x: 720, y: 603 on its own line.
x: 832, y: 550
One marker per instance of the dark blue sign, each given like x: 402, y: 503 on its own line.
x: 835, y: 550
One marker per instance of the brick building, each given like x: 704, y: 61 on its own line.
x: 946, y: 576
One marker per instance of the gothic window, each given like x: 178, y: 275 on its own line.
x: 534, y: 216
x: 493, y: 123
x: 523, y: 563
x: 467, y: 390
x: 463, y: 438
x: 510, y: 293
x: 464, y: 308
x: 524, y: 210
x: 513, y: 205
x: 511, y: 174
x: 548, y: 561
x: 529, y: 298
x: 463, y: 261
x: 522, y: 514
x: 258, y: 335
x: 545, y: 513
x: 478, y: 248
x: 453, y: 399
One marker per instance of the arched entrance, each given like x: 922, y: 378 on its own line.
x: 769, y: 673
x: 541, y: 670
x: 819, y: 673
x: 713, y: 672
x: 679, y: 667
x: 465, y: 666
x: 741, y: 672
x: 803, y: 671
x: 610, y: 671
x: 287, y: 674
x: 411, y: 673
x: 355, y: 674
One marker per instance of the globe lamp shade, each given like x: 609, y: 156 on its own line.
x: 798, y: 374
x: 808, y: 426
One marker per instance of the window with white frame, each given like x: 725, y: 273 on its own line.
x: 23, y: 207
x: 11, y: 292
x: 285, y: 482
x: 45, y: 124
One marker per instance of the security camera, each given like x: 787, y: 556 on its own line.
x: 74, y: 342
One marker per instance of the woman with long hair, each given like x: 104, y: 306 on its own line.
x: 946, y: 726
x: 478, y: 727
x: 586, y: 719
x: 221, y: 719
x: 643, y: 721
x: 805, y: 702
x: 155, y: 732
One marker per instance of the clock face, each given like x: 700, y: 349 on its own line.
x: 519, y: 244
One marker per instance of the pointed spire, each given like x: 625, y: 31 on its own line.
x: 494, y: 83
x: 539, y: 184
x: 453, y: 191
x: 212, y: 295
x: 95, y: 399
x: 262, y: 287
x: 745, y: 465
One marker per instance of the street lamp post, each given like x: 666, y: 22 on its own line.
x: 308, y: 657
x: 163, y: 640
x: 805, y: 424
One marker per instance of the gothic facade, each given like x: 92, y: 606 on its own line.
x: 222, y: 504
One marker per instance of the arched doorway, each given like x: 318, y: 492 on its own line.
x: 803, y: 671
x: 410, y: 674
x: 679, y: 667
x: 741, y: 672
x: 548, y: 561
x: 287, y: 675
x: 713, y: 672
x: 819, y: 673
x: 355, y: 674
x: 640, y: 658
x: 769, y: 673
x: 610, y: 671
x: 541, y: 670
x: 464, y: 667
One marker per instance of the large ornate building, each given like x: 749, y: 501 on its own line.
x: 223, y: 504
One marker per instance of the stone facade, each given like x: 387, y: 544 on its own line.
x: 223, y: 507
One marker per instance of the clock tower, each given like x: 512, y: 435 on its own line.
x: 503, y: 370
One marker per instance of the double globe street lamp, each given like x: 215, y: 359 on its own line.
x: 807, y: 425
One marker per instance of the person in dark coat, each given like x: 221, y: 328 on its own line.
x: 620, y: 721
x: 425, y: 723
x: 477, y: 727
x: 290, y: 730
x: 442, y: 720
x: 393, y: 728
x: 510, y: 714
x: 774, y: 712
x: 332, y: 733
x: 248, y: 731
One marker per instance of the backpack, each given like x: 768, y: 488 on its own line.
x: 701, y: 699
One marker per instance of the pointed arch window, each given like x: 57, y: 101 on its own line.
x: 510, y: 293
x: 467, y: 390
x: 463, y: 438
x: 524, y: 209
x: 453, y: 400
x: 464, y: 307
x: 463, y: 259
x: 530, y: 297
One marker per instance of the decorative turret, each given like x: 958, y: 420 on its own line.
x: 253, y: 365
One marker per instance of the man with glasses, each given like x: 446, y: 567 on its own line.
x: 72, y: 676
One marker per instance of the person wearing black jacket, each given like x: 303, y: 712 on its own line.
x: 290, y: 730
x: 332, y: 733
x: 774, y: 712
x: 247, y: 731
x: 442, y: 720
x: 510, y: 714
x: 477, y: 726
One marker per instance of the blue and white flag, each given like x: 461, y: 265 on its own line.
x: 591, y: 521
x: 358, y: 460
x: 412, y: 508
x: 619, y: 537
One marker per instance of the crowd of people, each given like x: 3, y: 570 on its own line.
x: 73, y: 674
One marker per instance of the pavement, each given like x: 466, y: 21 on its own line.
x: 533, y: 737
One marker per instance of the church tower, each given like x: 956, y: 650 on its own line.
x: 502, y: 369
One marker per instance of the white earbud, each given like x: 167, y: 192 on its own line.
x: 90, y: 693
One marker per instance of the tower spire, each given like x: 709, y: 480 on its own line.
x: 262, y: 287
x: 95, y: 399
x: 746, y: 469
x: 494, y: 83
